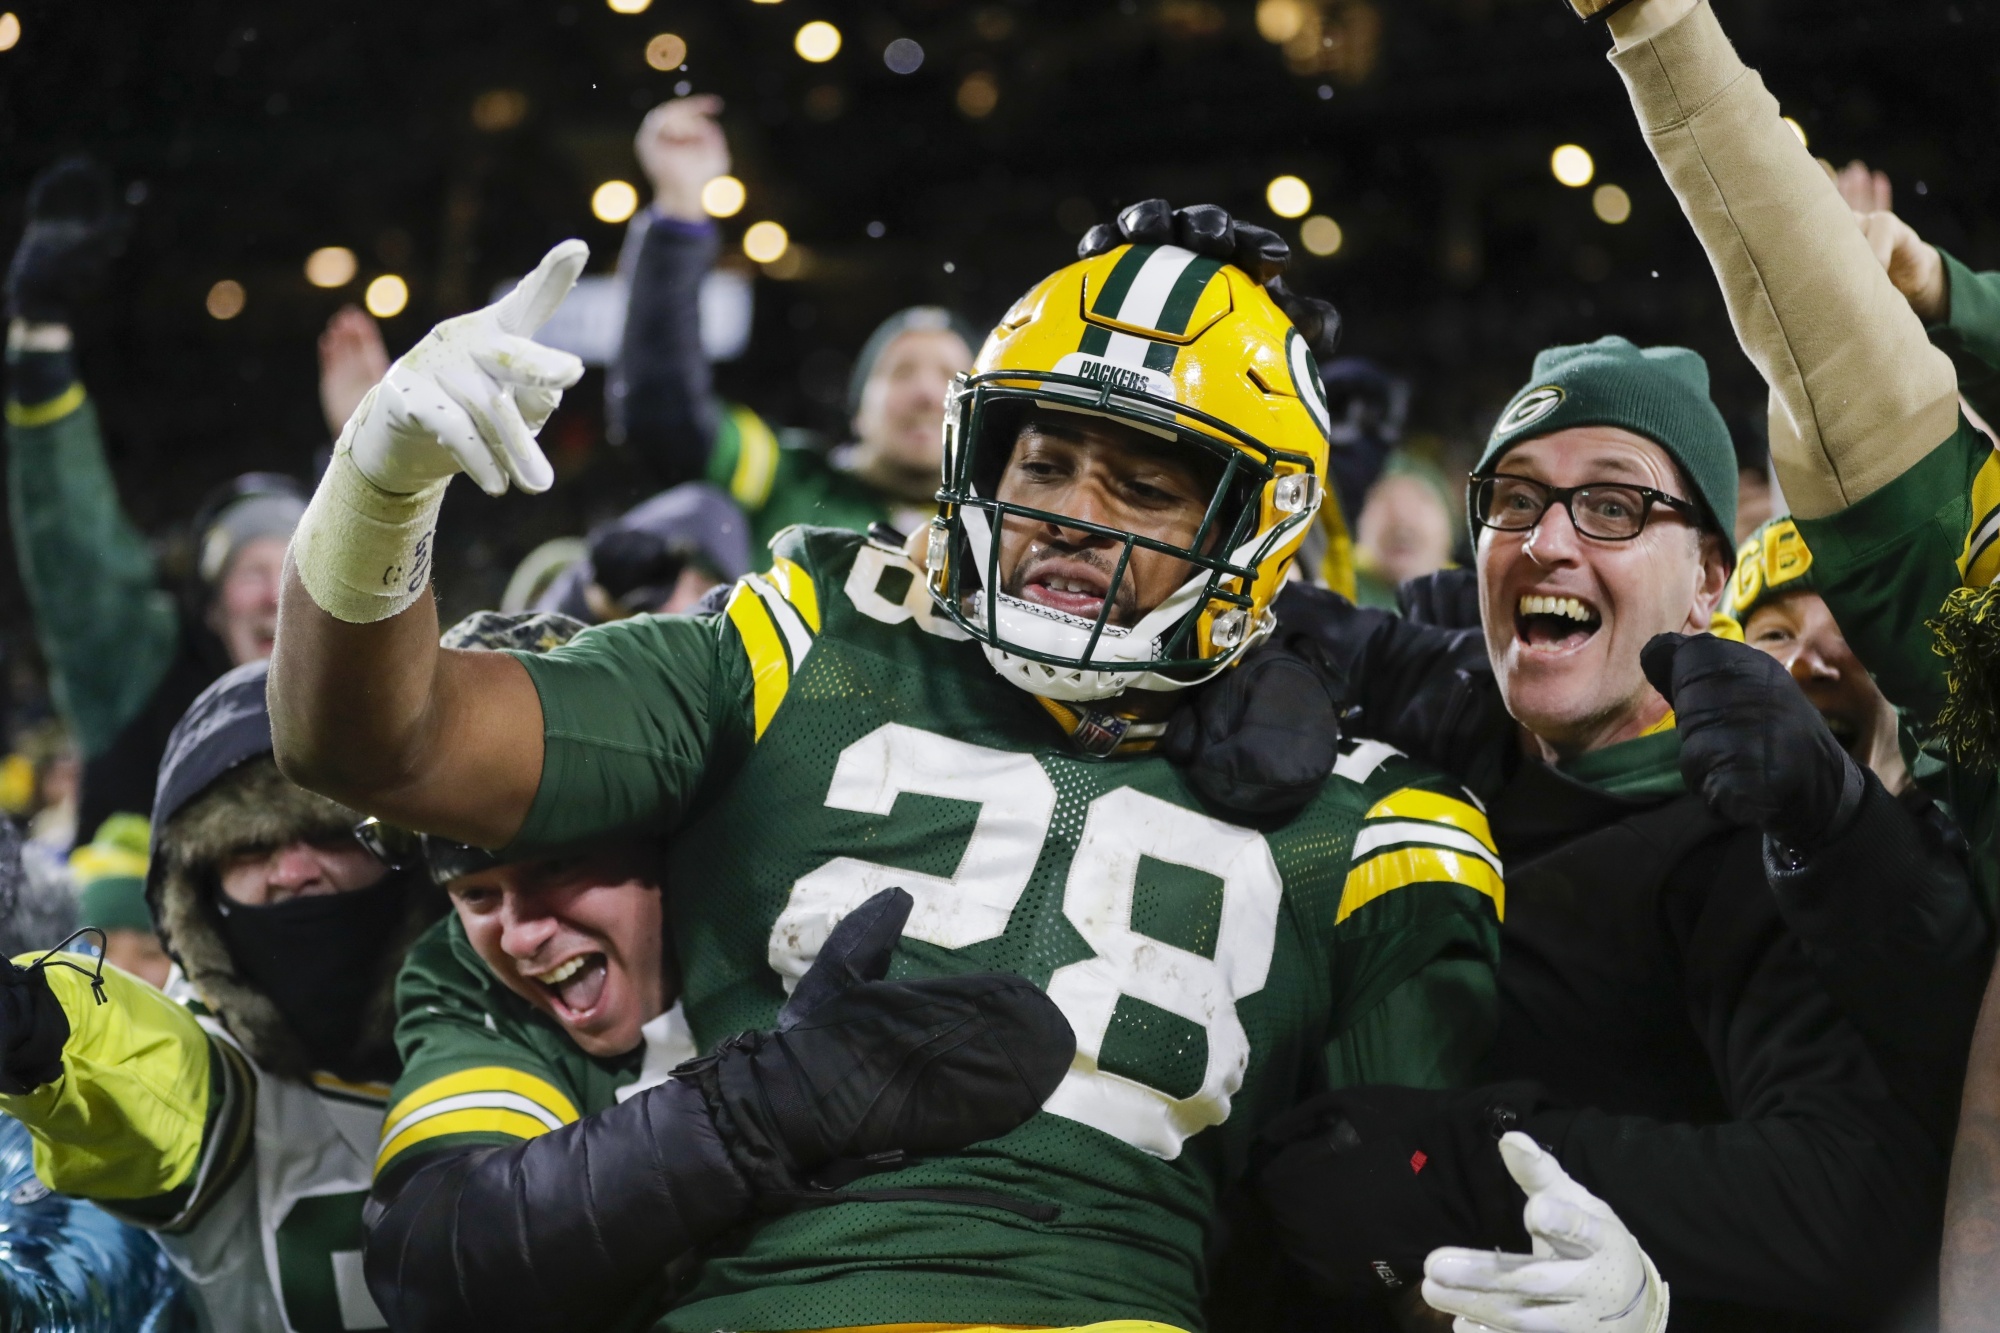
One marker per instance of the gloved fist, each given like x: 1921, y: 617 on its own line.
x: 1586, y: 1275
x: 1261, y: 739
x: 471, y: 396
x: 75, y: 230
x: 1209, y: 230
x: 33, y: 1029
x: 1751, y: 742
x: 859, y: 1067
x: 1365, y: 1182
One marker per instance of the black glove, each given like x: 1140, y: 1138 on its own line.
x: 33, y: 1028
x: 1751, y: 742
x: 1365, y: 1182
x: 1261, y: 739
x: 865, y: 1071
x: 1449, y: 598
x: 75, y: 230
x: 1209, y: 230
x: 636, y: 569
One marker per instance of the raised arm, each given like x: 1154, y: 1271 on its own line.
x: 364, y: 705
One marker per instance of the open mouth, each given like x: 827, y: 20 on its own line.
x: 1551, y: 624
x: 575, y: 987
x: 1069, y: 586
x: 1845, y: 732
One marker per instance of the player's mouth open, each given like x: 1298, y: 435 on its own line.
x: 576, y: 986
x: 1549, y: 624
x: 1069, y: 586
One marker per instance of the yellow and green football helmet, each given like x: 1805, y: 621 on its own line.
x: 1177, y: 345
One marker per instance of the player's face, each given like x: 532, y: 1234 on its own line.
x: 246, y: 605
x: 581, y: 939
x: 1091, y: 469
x: 1799, y: 631
x: 1566, y: 615
x: 902, y: 404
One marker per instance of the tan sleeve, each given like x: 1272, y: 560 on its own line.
x: 1861, y: 393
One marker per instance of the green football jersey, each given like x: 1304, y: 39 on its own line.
x: 828, y: 737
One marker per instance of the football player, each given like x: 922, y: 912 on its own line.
x: 1133, y: 461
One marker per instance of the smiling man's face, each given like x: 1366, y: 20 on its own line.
x: 1116, y: 476
x: 581, y: 939
x: 1799, y: 631
x: 1566, y: 615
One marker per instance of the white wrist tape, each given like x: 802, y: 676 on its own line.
x: 363, y: 553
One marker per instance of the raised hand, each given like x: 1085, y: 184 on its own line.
x: 352, y: 360
x: 1913, y: 265
x: 75, y: 229
x: 471, y: 396
x: 680, y: 148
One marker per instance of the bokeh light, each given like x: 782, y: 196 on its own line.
x: 386, y: 296
x: 903, y: 56
x: 1278, y: 21
x: 499, y: 109
x: 629, y: 6
x: 1288, y: 196
x: 1572, y: 166
x: 1320, y: 235
x: 978, y: 94
x: 614, y: 201
x: 667, y: 51
x: 765, y: 242
x: 818, y: 41
x: 331, y: 266
x: 226, y: 299
x: 1611, y: 204
x: 10, y: 30
x: 723, y: 197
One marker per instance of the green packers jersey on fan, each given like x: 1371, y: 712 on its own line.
x: 1888, y: 567
x: 827, y: 737
x: 779, y: 482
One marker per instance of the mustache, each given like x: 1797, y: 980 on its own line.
x: 1124, y: 594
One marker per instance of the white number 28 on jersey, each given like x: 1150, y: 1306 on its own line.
x: 1016, y: 803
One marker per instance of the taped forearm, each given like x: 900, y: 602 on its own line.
x: 563, y: 1231
x: 363, y: 553
x: 1864, y: 392
x: 126, y: 1119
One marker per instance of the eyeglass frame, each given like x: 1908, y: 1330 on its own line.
x: 1562, y: 495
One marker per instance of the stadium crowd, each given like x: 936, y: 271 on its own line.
x: 1118, y: 843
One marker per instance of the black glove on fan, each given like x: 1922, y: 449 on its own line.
x: 1260, y: 739
x: 1210, y: 231
x: 75, y: 230
x: 33, y: 1028
x: 1365, y: 1182
x: 860, y: 1067
x: 1751, y: 742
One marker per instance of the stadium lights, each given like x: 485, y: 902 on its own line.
x: 331, y: 266
x: 818, y: 42
x: 1611, y: 204
x: 978, y: 94
x: 903, y: 56
x: 614, y: 201
x: 1572, y: 166
x: 666, y: 51
x: 1278, y: 21
x: 629, y: 6
x: 1320, y: 235
x: 765, y: 242
x: 1288, y: 196
x: 723, y: 197
x: 386, y: 296
x: 226, y: 299
x: 10, y: 30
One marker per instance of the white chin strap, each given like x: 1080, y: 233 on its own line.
x: 1042, y: 629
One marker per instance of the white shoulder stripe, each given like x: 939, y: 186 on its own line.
x: 1381, y: 834
x: 465, y: 1101
x: 798, y: 639
x: 1360, y: 763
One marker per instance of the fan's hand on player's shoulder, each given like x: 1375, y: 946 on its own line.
x: 472, y: 394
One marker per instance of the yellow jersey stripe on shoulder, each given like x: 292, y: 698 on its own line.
x: 798, y: 639
x: 43, y: 414
x: 756, y: 459
x: 1979, y: 561
x: 1435, y: 808
x: 770, y: 673
x: 495, y: 1079
x: 789, y: 578
x: 1389, y: 871
x: 472, y: 1120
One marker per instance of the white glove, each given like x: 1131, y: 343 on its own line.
x: 1587, y: 1274
x: 470, y: 397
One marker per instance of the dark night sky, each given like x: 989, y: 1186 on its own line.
x: 262, y: 131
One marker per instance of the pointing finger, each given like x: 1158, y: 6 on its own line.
x: 536, y: 296
x: 1533, y: 1168
x: 514, y: 360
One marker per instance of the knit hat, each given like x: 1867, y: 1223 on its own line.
x: 916, y: 317
x: 1658, y: 392
x: 1773, y: 561
x: 110, y: 875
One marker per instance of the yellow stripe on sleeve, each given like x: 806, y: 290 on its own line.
x: 42, y: 414
x: 485, y: 1078
x: 1416, y: 803
x: 756, y: 459
x: 1389, y: 871
x: 770, y: 672
x: 473, y: 1120
x: 797, y: 586
x: 1979, y: 559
